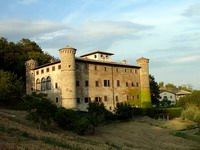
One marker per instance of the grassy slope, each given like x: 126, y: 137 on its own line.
x: 17, y: 133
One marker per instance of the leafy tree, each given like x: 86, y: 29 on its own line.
x: 170, y: 86
x: 11, y: 89
x: 124, y: 111
x: 154, y: 89
x: 40, y: 109
x: 96, y: 114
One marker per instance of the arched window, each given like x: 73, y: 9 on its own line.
x: 43, y: 84
x: 48, y: 83
x: 38, y: 85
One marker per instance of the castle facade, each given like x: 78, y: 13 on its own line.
x: 73, y: 81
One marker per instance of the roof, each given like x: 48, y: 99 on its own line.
x: 105, y: 62
x: 80, y: 59
x: 101, y: 52
x: 177, y: 92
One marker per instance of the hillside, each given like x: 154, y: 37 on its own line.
x: 144, y: 133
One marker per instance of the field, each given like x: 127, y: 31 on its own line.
x: 142, y: 133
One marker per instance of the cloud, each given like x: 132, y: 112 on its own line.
x: 15, y: 29
x: 192, y: 11
x: 27, y: 1
x: 187, y: 59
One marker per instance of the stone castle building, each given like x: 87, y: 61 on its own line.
x: 73, y: 81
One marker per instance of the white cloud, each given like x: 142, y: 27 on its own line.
x: 192, y: 11
x: 187, y: 59
x: 27, y: 1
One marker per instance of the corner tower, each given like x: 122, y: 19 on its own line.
x: 144, y: 81
x: 68, y: 78
x: 30, y: 76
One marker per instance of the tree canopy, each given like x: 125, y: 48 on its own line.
x: 154, y: 89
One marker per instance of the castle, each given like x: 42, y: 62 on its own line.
x: 73, y: 81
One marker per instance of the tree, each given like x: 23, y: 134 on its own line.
x: 170, y: 86
x: 40, y: 109
x: 154, y: 89
x: 11, y: 89
x: 124, y: 111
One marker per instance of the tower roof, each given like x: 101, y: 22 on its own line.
x: 142, y: 58
x: 68, y: 47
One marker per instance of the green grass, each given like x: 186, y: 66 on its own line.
x: 186, y: 136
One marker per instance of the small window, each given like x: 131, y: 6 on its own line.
x: 126, y: 84
x: 77, y: 83
x: 78, y: 100
x: 127, y: 97
x: 137, y: 84
x: 118, y: 83
x: 42, y: 71
x: 136, y: 71
x: 105, y: 98
x: 95, y: 56
x: 106, y: 83
x: 125, y: 70
x: 53, y: 68
x: 59, y: 67
x: 97, y: 83
x: 37, y: 72
x: 95, y: 67
x: 69, y: 66
x: 56, y: 99
x: 86, y: 83
x: 105, y: 68
x: 56, y: 85
x: 132, y: 97
x: 117, y: 69
x: 116, y: 98
x: 110, y: 108
x: 47, y: 69
x: 132, y: 84
x: 98, y: 99
x: 87, y: 99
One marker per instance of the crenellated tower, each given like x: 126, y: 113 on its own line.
x: 144, y: 81
x: 68, y: 78
x: 30, y: 76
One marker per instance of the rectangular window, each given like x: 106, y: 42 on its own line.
x: 42, y: 71
x: 126, y: 84
x: 132, y: 84
x: 137, y: 84
x: 97, y: 83
x: 78, y: 100
x: 77, y: 83
x: 37, y: 72
x: 56, y: 85
x: 56, y: 99
x: 97, y: 99
x: 105, y: 68
x: 116, y: 98
x: 105, y: 98
x: 95, y: 67
x: 117, y: 70
x: 136, y: 71
x: 87, y: 99
x: 59, y: 67
x: 86, y: 83
x: 125, y: 70
x: 118, y: 83
x: 127, y: 97
x: 53, y: 68
x: 106, y: 83
x: 47, y: 70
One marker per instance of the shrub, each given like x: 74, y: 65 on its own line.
x: 124, y: 111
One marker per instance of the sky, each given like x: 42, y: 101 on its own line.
x: 165, y: 31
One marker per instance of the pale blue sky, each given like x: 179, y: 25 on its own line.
x: 165, y: 31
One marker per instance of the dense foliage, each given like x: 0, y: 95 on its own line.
x: 154, y: 89
x: 124, y: 111
x: 39, y: 108
x: 11, y: 88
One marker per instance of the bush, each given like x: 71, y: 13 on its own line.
x: 124, y: 111
x: 39, y: 108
